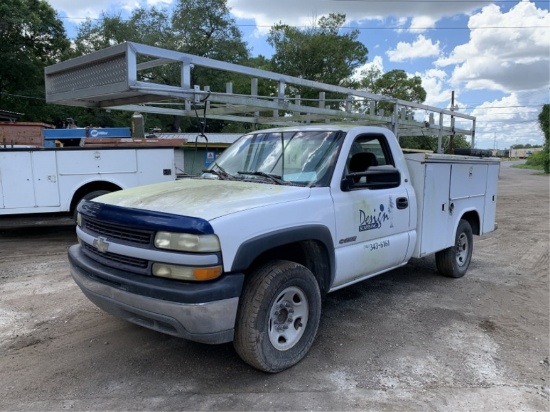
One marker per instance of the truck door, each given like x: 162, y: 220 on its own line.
x: 372, y: 225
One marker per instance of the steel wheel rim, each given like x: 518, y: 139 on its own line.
x: 462, y: 249
x: 288, y: 318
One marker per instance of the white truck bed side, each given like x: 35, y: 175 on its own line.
x: 447, y: 186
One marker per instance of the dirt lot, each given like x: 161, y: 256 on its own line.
x: 406, y: 340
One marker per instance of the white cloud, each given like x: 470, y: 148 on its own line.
x: 421, y: 47
x: 503, y: 58
x: 79, y: 10
x: 376, y: 63
x: 510, y: 120
x: 159, y: 3
x: 423, y: 14
x: 434, y: 82
x: 422, y: 23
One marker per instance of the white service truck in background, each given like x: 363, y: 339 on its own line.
x: 247, y: 251
x: 44, y: 180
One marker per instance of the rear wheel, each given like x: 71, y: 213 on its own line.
x: 454, y: 261
x: 278, y: 316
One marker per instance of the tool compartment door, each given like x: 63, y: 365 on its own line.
x: 468, y: 180
x: 435, y: 230
x: 105, y: 161
x: 29, y: 179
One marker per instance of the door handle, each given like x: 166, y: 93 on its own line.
x: 402, y: 202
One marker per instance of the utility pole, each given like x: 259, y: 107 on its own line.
x: 451, y: 140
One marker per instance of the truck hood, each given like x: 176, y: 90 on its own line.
x: 204, y: 198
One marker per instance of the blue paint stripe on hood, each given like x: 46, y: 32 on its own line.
x: 144, y: 219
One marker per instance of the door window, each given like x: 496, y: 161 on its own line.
x: 366, y: 151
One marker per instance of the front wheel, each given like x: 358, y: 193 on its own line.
x: 278, y: 316
x: 453, y: 262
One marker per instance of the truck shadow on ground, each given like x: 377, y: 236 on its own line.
x: 344, y: 314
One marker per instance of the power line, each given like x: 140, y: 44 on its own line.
x: 356, y: 27
x: 507, y: 113
x: 448, y: 1
x: 504, y: 107
x: 473, y: 108
x: 20, y: 95
x: 507, y: 122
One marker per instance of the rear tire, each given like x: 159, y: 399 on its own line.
x: 278, y: 316
x: 454, y: 261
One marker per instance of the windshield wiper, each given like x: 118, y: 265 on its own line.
x: 273, y: 178
x: 221, y: 173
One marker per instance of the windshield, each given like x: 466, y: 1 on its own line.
x: 302, y: 158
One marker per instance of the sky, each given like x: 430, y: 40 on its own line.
x: 495, y: 56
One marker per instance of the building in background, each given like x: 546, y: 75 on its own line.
x: 199, y: 152
x: 524, y: 153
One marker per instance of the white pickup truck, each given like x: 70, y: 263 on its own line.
x: 247, y: 251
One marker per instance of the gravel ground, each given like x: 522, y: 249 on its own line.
x: 406, y: 340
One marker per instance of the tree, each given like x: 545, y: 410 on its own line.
x: 320, y: 53
x: 31, y: 38
x: 430, y: 142
x: 199, y: 27
x: 147, y: 26
x: 544, y: 122
x: 205, y: 28
x: 395, y: 83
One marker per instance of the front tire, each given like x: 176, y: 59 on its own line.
x: 454, y: 261
x: 278, y: 316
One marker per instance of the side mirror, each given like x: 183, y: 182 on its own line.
x: 376, y: 177
x: 347, y: 183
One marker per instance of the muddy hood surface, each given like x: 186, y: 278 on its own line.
x: 204, y: 198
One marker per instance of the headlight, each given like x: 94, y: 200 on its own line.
x: 165, y: 270
x: 187, y: 242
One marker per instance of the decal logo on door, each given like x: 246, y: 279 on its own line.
x: 376, y: 218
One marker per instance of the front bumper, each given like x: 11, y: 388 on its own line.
x: 170, y: 307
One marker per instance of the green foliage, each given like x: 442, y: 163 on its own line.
x: 395, y: 83
x: 147, y: 26
x: 544, y: 121
x: 398, y: 84
x: 31, y: 38
x: 319, y: 53
x: 199, y: 27
x: 524, y: 146
x: 538, y: 158
x: 205, y: 28
x: 430, y: 142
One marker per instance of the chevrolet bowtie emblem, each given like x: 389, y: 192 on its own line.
x: 101, y: 244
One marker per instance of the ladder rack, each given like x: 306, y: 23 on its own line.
x: 115, y: 78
